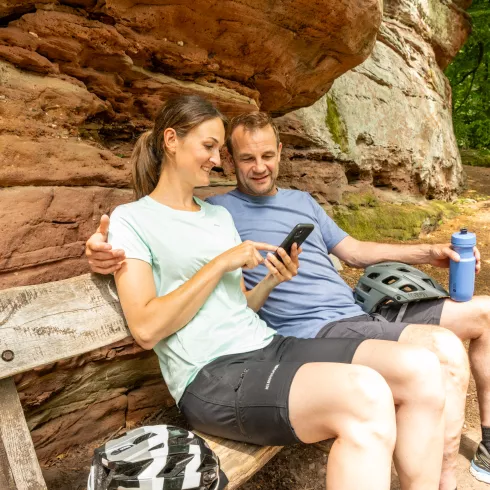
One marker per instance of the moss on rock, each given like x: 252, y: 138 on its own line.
x: 366, y: 218
x: 336, y: 125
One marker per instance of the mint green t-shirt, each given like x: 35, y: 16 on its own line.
x: 177, y: 244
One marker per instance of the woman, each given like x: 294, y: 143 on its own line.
x: 182, y: 293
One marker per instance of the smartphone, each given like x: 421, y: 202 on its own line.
x: 298, y: 235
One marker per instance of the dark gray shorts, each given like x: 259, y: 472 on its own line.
x: 384, y: 326
x: 245, y: 396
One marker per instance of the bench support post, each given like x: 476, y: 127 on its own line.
x: 19, y: 466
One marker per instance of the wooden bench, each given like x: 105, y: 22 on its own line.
x: 49, y: 322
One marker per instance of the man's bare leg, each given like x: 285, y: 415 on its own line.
x: 471, y: 321
x: 454, y: 361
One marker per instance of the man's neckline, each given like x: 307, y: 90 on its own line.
x: 256, y: 199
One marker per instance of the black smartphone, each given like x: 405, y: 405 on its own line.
x: 298, y: 235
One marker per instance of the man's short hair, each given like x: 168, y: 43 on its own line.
x: 251, y: 122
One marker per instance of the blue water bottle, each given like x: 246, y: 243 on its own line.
x: 462, y: 273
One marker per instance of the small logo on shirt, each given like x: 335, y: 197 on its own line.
x: 270, y: 377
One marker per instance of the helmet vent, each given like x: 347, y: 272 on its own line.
x: 133, y: 469
x: 429, y: 282
x: 390, y: 280
x: 373, y: 275
x: 408, y: 288
x: 364, y: 288
x: 403, y: 269
x: 144, y: 437
x: 158, y: 446
x: 121, y: 449
x: 176, y: 463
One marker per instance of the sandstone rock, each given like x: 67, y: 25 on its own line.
x: 78, y: 428
x: 59, y: 162
x: 41, y: 225
x: 285, y: 57
x: 147, y: 400
x: 445, y: 25
x: 387, y: 121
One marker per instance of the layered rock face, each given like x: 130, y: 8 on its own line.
x: 386, y: 123
x: 80, y: 80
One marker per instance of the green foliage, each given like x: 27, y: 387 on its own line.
x: 469, y: 75
x: 476, y: 158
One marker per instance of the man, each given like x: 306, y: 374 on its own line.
x: 318, y: 302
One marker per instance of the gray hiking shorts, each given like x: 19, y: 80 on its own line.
x: 383, y: 325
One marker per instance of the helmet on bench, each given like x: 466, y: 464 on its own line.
x: 155, y: 458
x: 395, y: 283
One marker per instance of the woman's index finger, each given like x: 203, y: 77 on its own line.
x: 264, y: 246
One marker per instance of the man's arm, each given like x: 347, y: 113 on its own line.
x: 101, y: 257
x: 362, y: 254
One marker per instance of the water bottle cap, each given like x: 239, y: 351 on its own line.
x: 463, y: 238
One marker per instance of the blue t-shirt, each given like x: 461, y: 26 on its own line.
x: 317, y: 295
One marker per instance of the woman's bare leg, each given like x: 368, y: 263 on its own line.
x: 355, y: 405
x: 415, y: 378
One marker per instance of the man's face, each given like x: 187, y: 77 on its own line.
x: 256, y: 156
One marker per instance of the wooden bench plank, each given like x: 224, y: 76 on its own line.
x: 238, y: 460
x: 49, y: 322
x: 6, y: 476
x: 17, y: 443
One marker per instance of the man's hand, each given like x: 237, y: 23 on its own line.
x: 440, y: 255
x: 101, y: 257
x: 285, y: 270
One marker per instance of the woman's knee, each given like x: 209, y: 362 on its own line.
x: 372, y: 410
x: 422, y: 376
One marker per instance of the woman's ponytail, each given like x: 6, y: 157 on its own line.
x: 146, y: 166
x: 182, y: 113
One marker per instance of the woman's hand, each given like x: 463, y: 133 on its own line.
x: 285, y: 270
x: 245, y: 256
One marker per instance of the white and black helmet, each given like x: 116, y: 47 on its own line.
x: 159, y: 457
x: 395, y: 283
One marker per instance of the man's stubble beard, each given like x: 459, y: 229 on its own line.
x: 253, y: 191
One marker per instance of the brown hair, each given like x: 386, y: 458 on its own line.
x: 250, y: 122
x: 182, y: 113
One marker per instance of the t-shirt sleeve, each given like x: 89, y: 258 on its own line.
x: 332, y: 234
x: 123, y: 234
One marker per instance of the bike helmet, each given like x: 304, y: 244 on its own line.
x: 159, y: 457
x: 394, y: 282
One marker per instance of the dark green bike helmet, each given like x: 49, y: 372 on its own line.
x: 395, y: 283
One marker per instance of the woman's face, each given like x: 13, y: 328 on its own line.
x: 198, y: 152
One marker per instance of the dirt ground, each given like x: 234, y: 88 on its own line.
x: 302, y: 467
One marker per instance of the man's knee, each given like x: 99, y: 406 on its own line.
x: 482, y: 305
x: 452, y: 356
